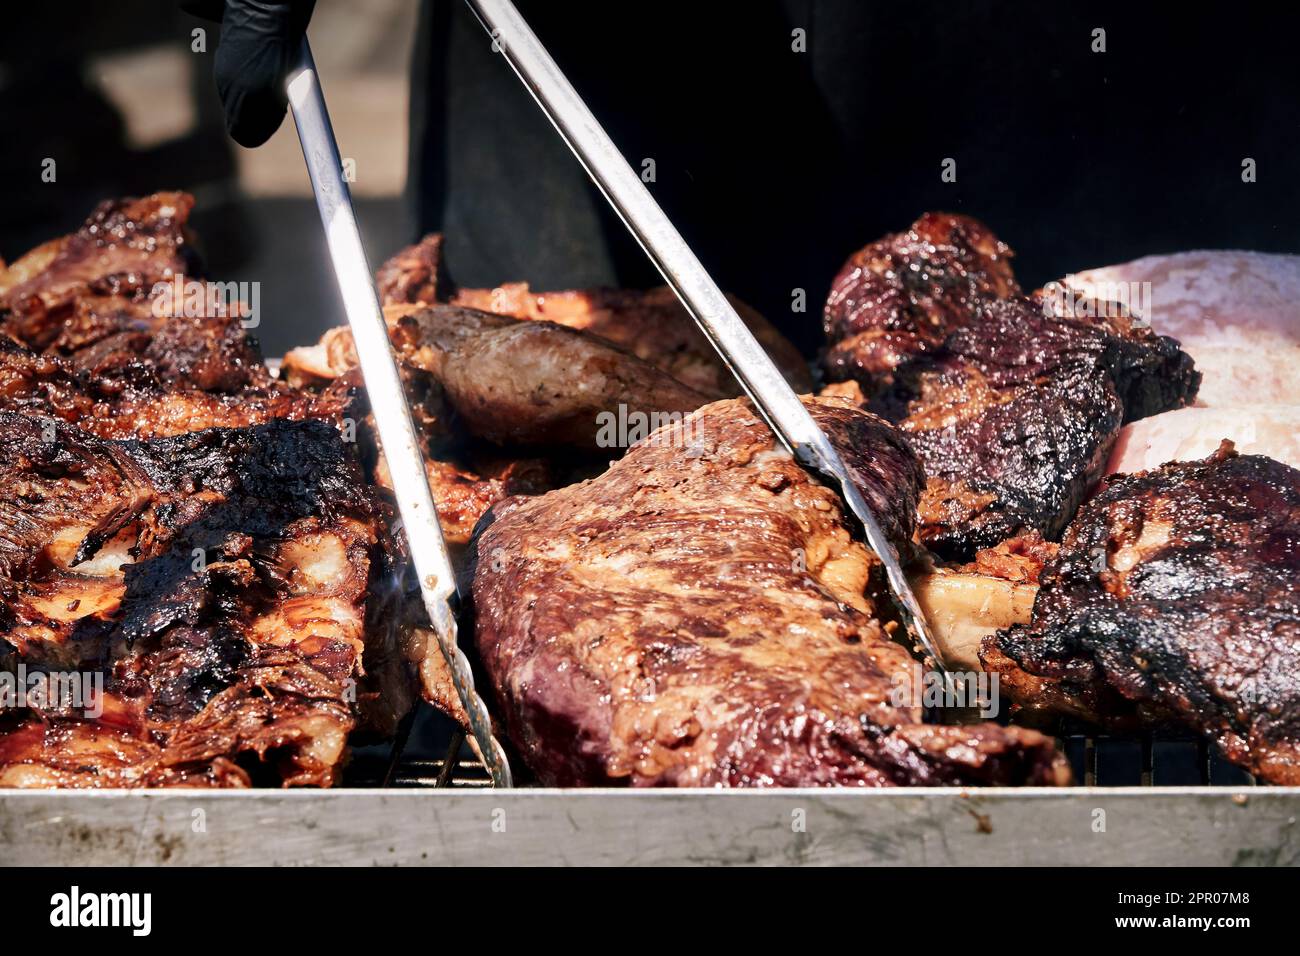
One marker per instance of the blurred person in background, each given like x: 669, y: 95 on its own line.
x: 784, y: 134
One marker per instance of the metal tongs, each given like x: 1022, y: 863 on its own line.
x: 775, y: 400
x: 429, y: 555
x: 771, y: 394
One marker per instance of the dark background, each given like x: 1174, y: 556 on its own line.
x: 775, y: 164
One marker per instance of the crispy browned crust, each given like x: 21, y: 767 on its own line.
x: 114, y: 259
x: 134, y: 402
x: 1011, y: 408
x: 220, y: 581
x: 698, y: 616
x: 1019, y: 560
x: 902, y: 295
x: 1174, y: 599
x: 414, y: 275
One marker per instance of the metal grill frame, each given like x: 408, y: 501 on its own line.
x: 432, y: 812
x: 463, y: 826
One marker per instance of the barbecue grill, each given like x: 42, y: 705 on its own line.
x: 1152, y: 800
x: 1147, y: 799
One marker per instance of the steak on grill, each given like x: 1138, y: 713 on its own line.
x: 699, y: 615
x: 110, y: 298
x: 134, y: 403
x: 1174, y: 599
x: 1012, y: 409
x: 107, y: 267
x: 511, y: 381
x: 179, y: 524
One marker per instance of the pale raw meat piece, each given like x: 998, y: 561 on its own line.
x: 1236, y: 313
x: 1190, y: 434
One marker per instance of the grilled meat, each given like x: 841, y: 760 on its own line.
x: 1015, y: 416
x: 963, y: 604
x: 699, y: 615
x: 416, y: 275
x: 903, y: 295
x: 114, y: 260
x: 134, y: 402
x: 112, y: 296
x: 231, y: 586
x: 1012, y: 409
x: 533, y: 383
x: 652, y: 324
x: 511, y: 381
x: 467, y: 480
x: 1174, y: 599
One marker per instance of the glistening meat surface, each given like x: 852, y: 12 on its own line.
x: 1015, y: 415
x: 652, y: 324
x: 699, y: 615
x: 1175, y: 598
x: 229, y: 587
x: 1011, y: 407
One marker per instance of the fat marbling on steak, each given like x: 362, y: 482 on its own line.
x: 1175, y: 598
x: 700, y: 615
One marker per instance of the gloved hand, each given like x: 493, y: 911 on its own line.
x: 259, y: 45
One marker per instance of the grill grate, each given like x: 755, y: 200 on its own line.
x: 1097, y: 761
x: 1150, y: 761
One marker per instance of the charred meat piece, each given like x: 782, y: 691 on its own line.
x: 123, y: 250
x: 1012, y: 407
x: 231, y: 587
x: 1174, y: 599
x: 415, y: 275
x: 652, y: 324
x: 133, y: 403
x: 1015, y: 414
x: 115, y: 294
x: 698, y: 616
x: 902, y: 295
x: 466, y: 476
x: 1236, y: 313
x: 467, y: 481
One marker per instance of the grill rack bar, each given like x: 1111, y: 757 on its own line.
x: 1097, y: 760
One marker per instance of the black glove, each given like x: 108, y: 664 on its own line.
x: 259, y: 45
